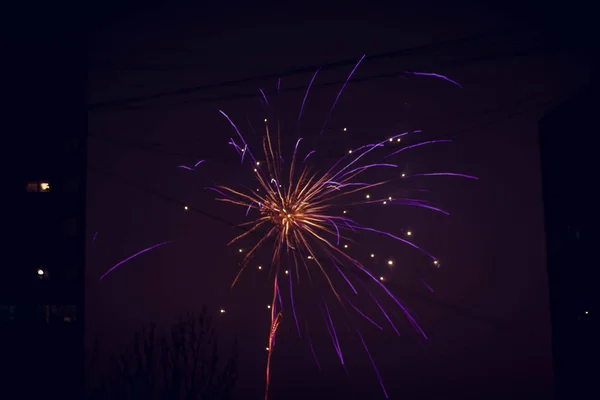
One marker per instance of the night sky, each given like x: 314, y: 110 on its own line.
x: 487, y: 320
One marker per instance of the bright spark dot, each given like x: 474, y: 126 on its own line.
x: 185, y: 207
x: 243, y: 150
x: 259, y: 267
x: 287, y: 272
x: 222, y: 311
x: 241, y: 250
x: 269, y: 306
x: 345, y: 211
x: 391, y: 139
x: 258, y: 190
x: 385, y: 202
x: 403, y: 175
x: 409, y: 233
x: 381, y: 278
x: 345, y: 129
x: 255, y: 170
x: 586, y: 312
x: 265, y: 120
x: 368, y: 196
x: 345, y: 246
x: 372, y: 255
x: 390, y: 198
x: 258, y: 163
x: 349, y: 151
x: 40, y: 272
x: 390, y: 262
x: 310, y: 257
x: 435, y: 262
x: 267, y: 348
x: 399, y: 140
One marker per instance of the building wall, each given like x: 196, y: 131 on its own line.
x: 568, y: 174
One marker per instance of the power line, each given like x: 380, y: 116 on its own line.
x: 401, y: 73
x: 165, y: 197
x: 153, y: 149
x: 298, y: 71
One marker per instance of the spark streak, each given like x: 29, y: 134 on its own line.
x: 133, y: 256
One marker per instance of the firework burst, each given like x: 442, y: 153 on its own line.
x: 299, y: 216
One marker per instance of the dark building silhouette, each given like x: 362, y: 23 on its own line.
x: 42, y: 273
x: 569, y: 155
x: 41, y: 289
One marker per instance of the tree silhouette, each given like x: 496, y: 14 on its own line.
x: 182, y: 363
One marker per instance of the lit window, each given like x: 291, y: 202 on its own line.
x: 42, y: 273
x: 44, y: 186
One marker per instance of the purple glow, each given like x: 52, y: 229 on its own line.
x: 198, y: 163
x: 398, y: 302
x: 384, y: 313
x: 364, y: 167
x: 264, y: 96
x: 397, y: 238
x: 340, y: 93
x: 336, y: 342
x: 373, y: 363
x: 293, y: 308
x: 336, y: 230
x: 426, y: 285
x: 133, y: 256
x: 306, y: 94
x: 343, y: 275
x: 239, y: 134
x: 446, y: 174
x: 185, y: 167
x: 364, y: 315
x: 421, y: 205
x: 278, y: 85
x: 279, y: 296
x: 417, y: 145
x: 372, y: 147
x: 437, y: 76
x: 312, y: 349
x: 248, y: 209
x: 94, y: 239
x: 308, y: 155
x: 220, y: 192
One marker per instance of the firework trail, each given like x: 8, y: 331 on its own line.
x: 299, y: 216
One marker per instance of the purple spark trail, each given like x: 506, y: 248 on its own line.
x: 446, y: 174
x: 133, y: 256
x: 308, y: 155
x: 435, y: 75
x: 340, y: 93
x: 427, y: 286
x: 306, y: 94
x: 95, y: 236
x: 264, y: 96
x: 293, y: 308
x: 373, y: 363
x: 417, y: 145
